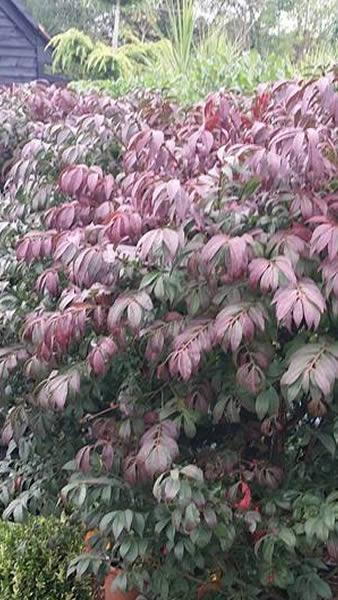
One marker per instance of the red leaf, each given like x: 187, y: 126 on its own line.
x: 298, y: 303
x: 83, y: 459
x: 245, y: 502
x: 158, y: 448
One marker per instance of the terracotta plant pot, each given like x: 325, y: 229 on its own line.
x: 206, y: 589
x: 116, y: 594
x: 211, y: 587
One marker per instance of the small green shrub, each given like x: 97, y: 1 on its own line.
x: 77, y: 55
x: 226, y: 69
x: 34, y: 559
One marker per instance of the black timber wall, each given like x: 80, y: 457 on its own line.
x: 19, y: 56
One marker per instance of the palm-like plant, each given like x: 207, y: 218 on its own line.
x: 180, y: 32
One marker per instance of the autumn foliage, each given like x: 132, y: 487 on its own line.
x: 169, y: 324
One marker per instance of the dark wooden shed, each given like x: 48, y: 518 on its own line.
x: 23, y: 53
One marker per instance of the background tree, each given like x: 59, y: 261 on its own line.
x: 271, y: 25
x: 59, y: 15
x: 101, y: 18
x: 115, y: 7
x: 280, y: 26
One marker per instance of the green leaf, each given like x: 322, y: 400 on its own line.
x: 82, y: 494
x: 107, y: 520
x: 148, y: 280
x: 250, y: 186
x: 309, y: 527
x: 171, y: 532
x: 194, y: 303
x: 83, y: 567
x: 168, y: 410
x: 287, y: 536
x: 327, y: 441
x: 164, y: 587
x: 329, y: 516
x: 268, y: 547
x: 18, y: 513
x: 321, y: 530
x: 221, y: 530
x: 118, y: 525
x: 274, y: 402
x: 176, y: 519
x: 160, y: 525
x: 159, y: 288
x: 293, y: 390
x: 185, y: 492
x: 219, y: 409
x: 189, y: 546
x: 125, y: 546
x: 70, y: 466
x: 267, y: 402
x: 189, y: 426
x: 106, y: 494
x: 210, y: 517
x: 203, y: 537
x: 276, y: 369
x: 179, y: 551
x: 143, y: 547
x: 263, y: 404
x: 322, y: 588
x: 139, y: 523
x: 128, y: 517
x: 133, y: 552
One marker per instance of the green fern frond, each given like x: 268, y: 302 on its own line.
x: 125, y: 60
x: 75, y: 51
x: 70, y: 49
x: 145, y: 53
x: 107, y: 61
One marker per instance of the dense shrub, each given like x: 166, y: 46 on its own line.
x: 34, y: 561
x: 170, y: 320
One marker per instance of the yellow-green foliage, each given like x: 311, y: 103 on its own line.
x: 71, y: 48
x: 76, y: 53
x: 107, y: 61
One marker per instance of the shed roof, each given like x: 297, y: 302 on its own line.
x: 20, y: 15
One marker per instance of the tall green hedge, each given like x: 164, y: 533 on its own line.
x: 34, y: 558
